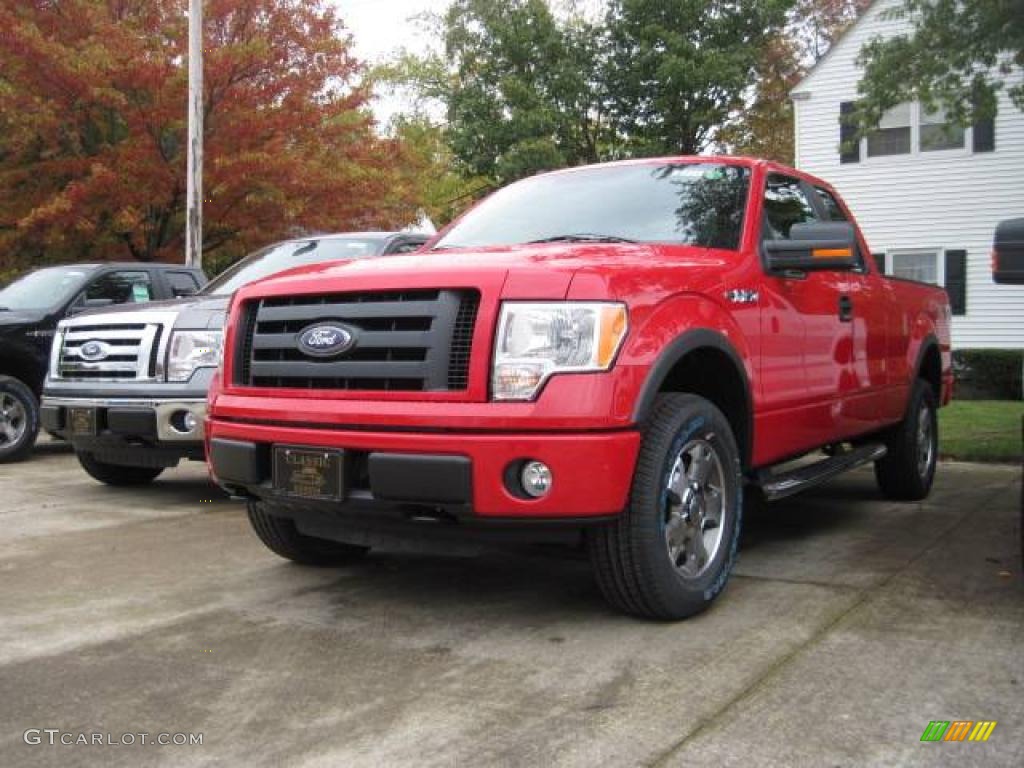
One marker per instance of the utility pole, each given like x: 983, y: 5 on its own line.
x: 194, y: 199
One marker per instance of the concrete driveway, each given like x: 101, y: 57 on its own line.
x: 849, y: 625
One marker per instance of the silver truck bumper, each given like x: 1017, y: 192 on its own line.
x: 170, y: 415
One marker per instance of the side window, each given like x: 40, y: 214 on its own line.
x: 835, y: 213
x: 121, y: 288
x: 405, y: 246
x: 182, y: 283
x: 785, y: 204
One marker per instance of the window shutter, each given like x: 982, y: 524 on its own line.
x: 879, y: 261
x: 984, y: 135
x: 956, y: 281
x: 849, y: 144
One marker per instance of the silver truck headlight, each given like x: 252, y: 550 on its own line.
x: 536, y: 340
x: 192, y: 350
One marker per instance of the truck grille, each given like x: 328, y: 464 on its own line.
x: 118, y: 352
x: 405, y: 341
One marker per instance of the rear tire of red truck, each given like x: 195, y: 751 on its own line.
x: 281, y: 537
x: 907, y: 470
x: 671, y: 551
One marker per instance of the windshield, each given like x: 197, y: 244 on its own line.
x: 692, y: 203
x: 43, y: 289
x: 277, y: 258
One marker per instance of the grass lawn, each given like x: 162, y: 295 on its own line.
x: 981, y: 430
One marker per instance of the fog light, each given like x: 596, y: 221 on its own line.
x: 536, y: 479
x: 184, y: 422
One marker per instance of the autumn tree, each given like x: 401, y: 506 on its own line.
x: 764, y: 126
x: 92, y: 129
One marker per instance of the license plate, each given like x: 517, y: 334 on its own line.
x: 82, y: 421
x: 309, y: 473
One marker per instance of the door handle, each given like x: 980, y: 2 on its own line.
x: 845, y: 309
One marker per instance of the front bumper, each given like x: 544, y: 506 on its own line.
x: 130, y: 422
x: 459, y: 474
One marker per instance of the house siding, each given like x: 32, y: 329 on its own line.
x: 934, y: 200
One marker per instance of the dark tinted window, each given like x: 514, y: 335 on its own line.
x: 297, y: 253
x: 121, y: 287
x: 182, y: 283
x: 835, y: 213
x: 694, y: 203
x: 785, y: 204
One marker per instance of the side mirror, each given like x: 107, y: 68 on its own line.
x: 814, y: 246
x: 1008, y: 253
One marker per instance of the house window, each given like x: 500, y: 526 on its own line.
x: 938, y: 133
x: 909, y: 129
x: 892, y: 137
x: 922, y: 266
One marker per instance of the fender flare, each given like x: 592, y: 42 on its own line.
x: 690, y: 341
x: 927, y: 343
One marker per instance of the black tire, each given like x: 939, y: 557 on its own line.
x: 117, y: 474
x: 907, y: 470
x: 281, y: 537
x: 632, y: 558
x: 19, y: 420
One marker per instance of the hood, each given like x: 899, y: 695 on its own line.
x: 193, y: 311
x: 19, y: 317
x: 538, y: 271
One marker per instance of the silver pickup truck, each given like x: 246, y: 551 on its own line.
x: 127, y: 386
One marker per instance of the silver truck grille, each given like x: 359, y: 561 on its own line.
x: 115, y: 352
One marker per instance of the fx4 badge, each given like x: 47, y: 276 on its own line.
x: 742, y: 296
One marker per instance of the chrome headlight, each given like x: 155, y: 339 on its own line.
x: 192, y: 350
x: 537, y: 340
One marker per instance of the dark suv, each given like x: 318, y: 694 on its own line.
x: 31, y: 307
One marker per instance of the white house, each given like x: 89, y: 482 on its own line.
x: 928, y: 198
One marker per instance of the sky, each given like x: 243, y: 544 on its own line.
x: 379, y: 28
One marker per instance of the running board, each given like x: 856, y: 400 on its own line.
x: 779, y: 486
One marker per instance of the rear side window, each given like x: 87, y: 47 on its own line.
x: 121, y: 287
x: 182, y: 283
x: 785, y: 204
x: 405, y: 247
x: 835, y: 213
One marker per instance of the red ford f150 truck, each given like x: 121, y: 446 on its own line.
x: 614, y: 354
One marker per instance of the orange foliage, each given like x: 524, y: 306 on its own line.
x: 92, y: 129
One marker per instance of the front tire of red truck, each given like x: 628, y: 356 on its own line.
x: 670, y: 553
x: 281, y: 537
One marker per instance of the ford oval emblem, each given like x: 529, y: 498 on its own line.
x: 326, y: 340
x: 94, y: 351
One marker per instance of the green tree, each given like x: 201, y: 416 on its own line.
x: 957, y: 56
x: 522, y: 95
x: 678, y: 69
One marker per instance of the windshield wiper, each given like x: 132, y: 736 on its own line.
x: 5, y: 309
x: 582, y: 237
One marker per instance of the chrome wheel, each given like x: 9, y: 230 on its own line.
x: 925, y: 441
x: 695, y: 497
x: 13, y: 420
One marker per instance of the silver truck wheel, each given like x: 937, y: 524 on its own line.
x: 19, y: 419
x: 670, y: 553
